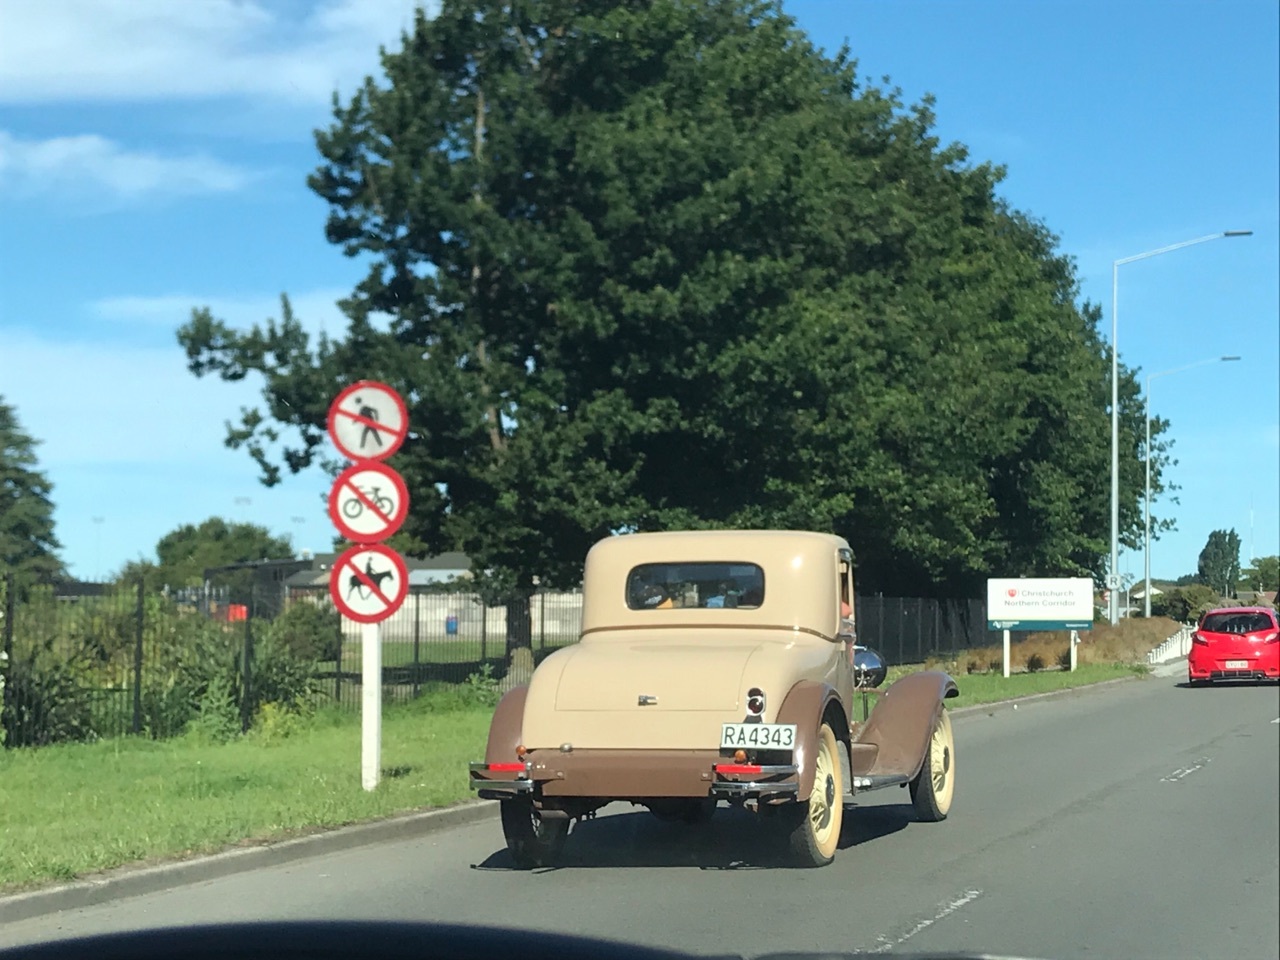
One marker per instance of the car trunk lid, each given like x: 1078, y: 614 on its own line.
x: 655, y: 676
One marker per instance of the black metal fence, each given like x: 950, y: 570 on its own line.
x: 440, y: 637
x: 88, y: 661
x: 912, y: 629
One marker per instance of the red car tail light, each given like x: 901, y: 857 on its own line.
x: 1272, y: 637
x: 737, y: 768
x: 1199, y: 637
x: 507, y: 767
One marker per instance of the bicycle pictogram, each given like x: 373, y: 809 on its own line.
x: 354, y: 506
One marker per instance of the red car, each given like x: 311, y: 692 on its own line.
x: 1235, y: 643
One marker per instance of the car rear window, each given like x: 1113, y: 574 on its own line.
x: 1236, y: 623
x: 666, y: 586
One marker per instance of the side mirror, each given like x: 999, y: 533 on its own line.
x: 869, y: 669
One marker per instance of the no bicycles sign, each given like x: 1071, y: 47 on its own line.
x: 368, y: 502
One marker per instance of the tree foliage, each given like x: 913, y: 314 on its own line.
x: 660, y: 264
x: 1219, y: 565
x: 185, y: 553
x: 1262, y: 574
x: 27, y: 541
x: 1185, y: 604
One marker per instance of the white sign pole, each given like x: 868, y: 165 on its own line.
x: 1075, y: 639
x: 370, y: 705
x: 1006, y: 654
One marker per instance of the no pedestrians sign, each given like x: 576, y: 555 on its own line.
x: 368, y: 421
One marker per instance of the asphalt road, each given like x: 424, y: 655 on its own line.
x: 1139, y: 820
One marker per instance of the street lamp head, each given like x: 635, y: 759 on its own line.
x: 1237, y: 233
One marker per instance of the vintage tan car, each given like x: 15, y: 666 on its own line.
x: 714, y: 666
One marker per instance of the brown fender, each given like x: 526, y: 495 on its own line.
x: 902, y: 720
x: 504, y: 729
x: 804, y: 706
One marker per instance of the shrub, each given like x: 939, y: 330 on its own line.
x: 49, y: 700
x: 1035, y: 663
x: 278, y: 676
x: 217, y: 716
x: 1064, y: 659
x: 308, y: 631
x: 483, y: 688
x: 274, y: 722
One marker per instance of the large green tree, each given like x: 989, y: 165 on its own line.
x: 185, y: 553
x: 1219, y: 565
x: 28, y: 545
x: 661, y: 263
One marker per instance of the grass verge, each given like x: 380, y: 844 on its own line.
x: 993, y: 687
x: 78, y: 808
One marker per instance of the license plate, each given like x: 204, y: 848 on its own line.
x: 764, y: 736
x: 1237, y: 664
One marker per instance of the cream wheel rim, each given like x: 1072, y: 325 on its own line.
x: 942, y: 762
x: 824, y: 796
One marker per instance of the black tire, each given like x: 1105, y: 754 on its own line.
x: 814, y: 825
x: 532, y: 840
x: 934, y: 786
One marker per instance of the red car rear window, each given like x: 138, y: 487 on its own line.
x: 1236, y: 623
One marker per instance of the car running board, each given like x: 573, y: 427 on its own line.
x: 862, y: 784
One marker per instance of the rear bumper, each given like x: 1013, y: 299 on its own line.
x: 1213, y: 666
x: 634, y: 775
x: 1236, y: 675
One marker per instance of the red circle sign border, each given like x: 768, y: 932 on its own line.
x: 334, y: 409
x: 402, y: 492
x: 344, y: 562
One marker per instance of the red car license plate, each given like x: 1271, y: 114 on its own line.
x: 1237, y: 664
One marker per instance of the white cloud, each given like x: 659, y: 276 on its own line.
x: 92, y: 166
x: 316, y: 310
x: 191, y: 49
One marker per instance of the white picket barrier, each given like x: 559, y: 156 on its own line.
x: 1179, y: 645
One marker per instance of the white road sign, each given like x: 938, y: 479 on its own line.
x: 369, y: 583
x: 368, y: 421
x: 1059, y: 603
x: 368, y: 502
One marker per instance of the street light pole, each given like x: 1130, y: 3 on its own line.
x: 1146, y: 591
x: 1113, y: 583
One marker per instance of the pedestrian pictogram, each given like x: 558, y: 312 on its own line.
x: 368, y: 583
x: 368, y: 421
x: 368, y: 502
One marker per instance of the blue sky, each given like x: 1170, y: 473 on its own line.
x: 153, y: 156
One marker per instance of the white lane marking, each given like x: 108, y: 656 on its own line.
x: 1276, y: 720
x: 884, y: 944
x: 1185, y: 771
